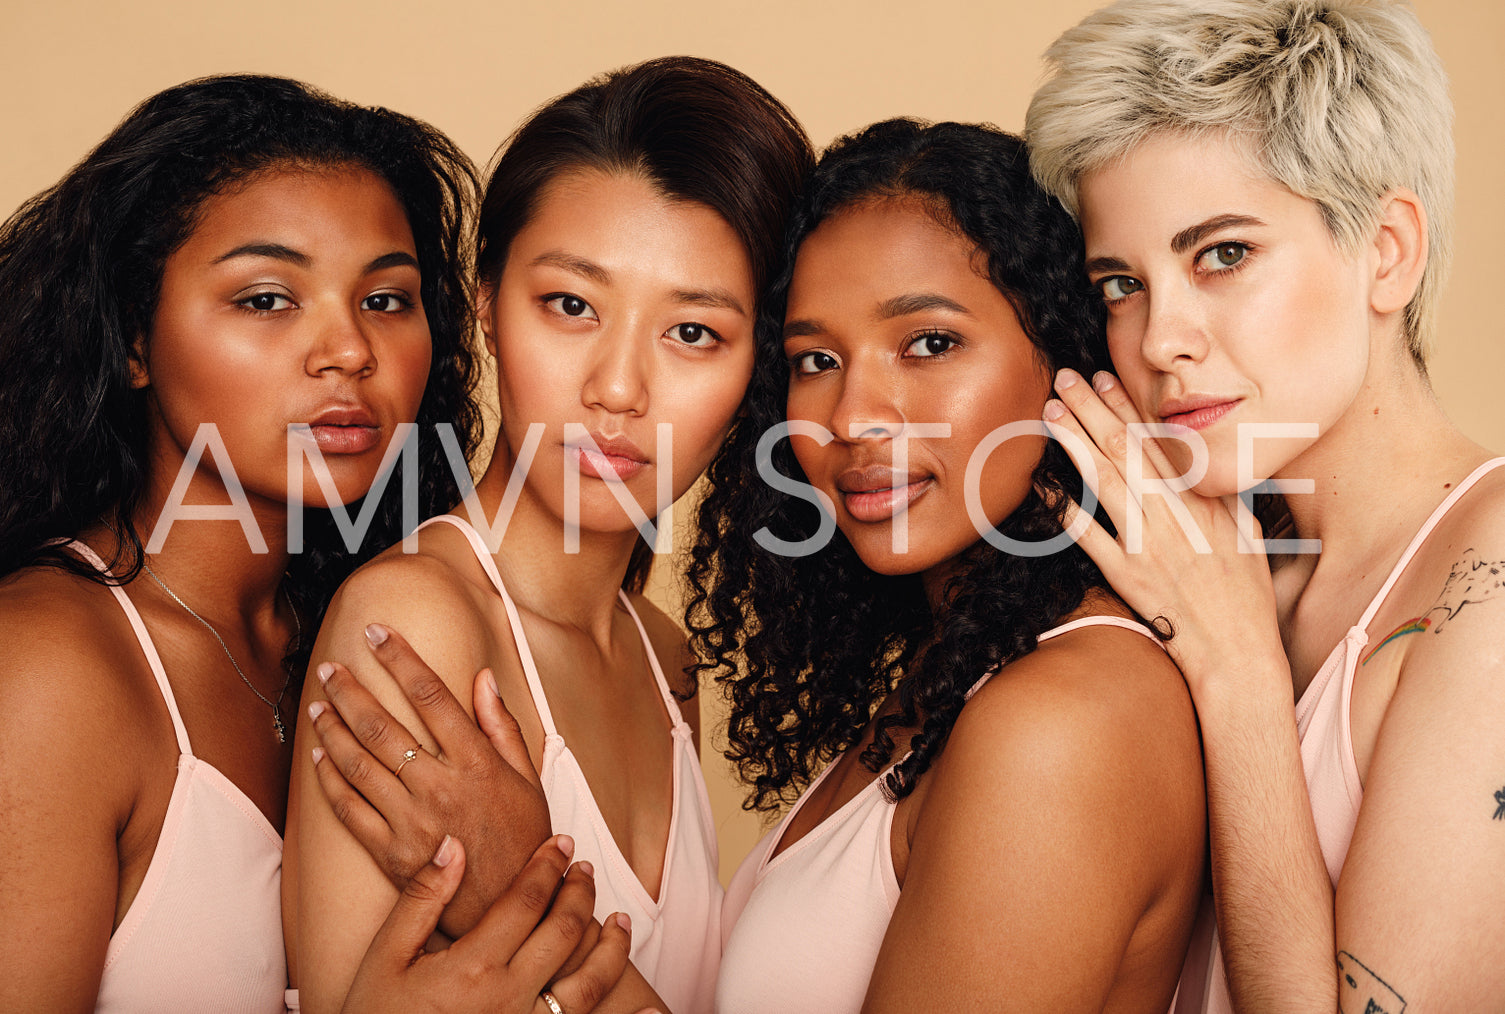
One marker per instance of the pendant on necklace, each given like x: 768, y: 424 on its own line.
x: 278, y: 727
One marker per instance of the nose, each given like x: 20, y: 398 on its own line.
x: 342, y: 346
x: 868, y: 408
x: 1175, y: 329
x: 617, y: 380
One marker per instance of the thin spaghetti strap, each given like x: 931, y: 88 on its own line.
x: 1101, y: 620
x: 520, y: 636
x: 1421, y: 537
x: 144, y: 639
x: 670, y: 704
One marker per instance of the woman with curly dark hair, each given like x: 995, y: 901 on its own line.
x: 245, y: 273
x: 1013, y: 818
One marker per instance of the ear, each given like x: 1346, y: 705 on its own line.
x: 136, y: 365
x: 485, y: 303
x: 1400, y: 251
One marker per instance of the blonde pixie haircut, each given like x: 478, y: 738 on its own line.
x: 1339, y: 100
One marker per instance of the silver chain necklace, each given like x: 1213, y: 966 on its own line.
x: 276, y: 706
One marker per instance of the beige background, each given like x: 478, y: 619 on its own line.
x: 71, y: 69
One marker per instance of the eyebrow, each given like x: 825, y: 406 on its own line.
x: 1183, y: 241
x: 719, y: 299
x: 1192, y: 235
x: 917, y: 302
x: 575, y: 265
x: 896, y: 306
x: 276, y: 251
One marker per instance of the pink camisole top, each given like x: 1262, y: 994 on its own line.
x: 676, y: 937
x: 1323, y: 726
x: 204, y: 932
x: 802, y: 930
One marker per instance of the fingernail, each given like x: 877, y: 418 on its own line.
x: 376, y: 635
x: 1054, y: 410
x: 324, y: 671
x: 318, y: 754
x: 623, y: 920
x: 491, y: 682
x: 586, y: 868
x: 446, y: 853
x: 316, y: 709
x: 1102, y: 381
x: 1066, y: 378
x: 565, y: 844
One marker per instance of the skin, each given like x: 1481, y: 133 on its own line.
x: 1053, y: 741
x: 1426, y: 718
x: 600, y: 319
x: 80, y: 830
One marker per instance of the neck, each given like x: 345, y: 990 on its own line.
x: 1381, y: 468
x: 211, y: 564
x: 574, y: 589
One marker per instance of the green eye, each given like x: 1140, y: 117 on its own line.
x: 1116, y: 287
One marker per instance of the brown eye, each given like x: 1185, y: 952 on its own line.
x: 932, y: 344
x: 1116, y: 287
x: 570, y: 306
x: 1229, y: 254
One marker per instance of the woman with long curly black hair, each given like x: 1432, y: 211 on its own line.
x: 1037, y: 843
x: 245, y: 273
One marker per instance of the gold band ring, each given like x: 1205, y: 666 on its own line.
x: 550, y: 1002
x: 407, y: 757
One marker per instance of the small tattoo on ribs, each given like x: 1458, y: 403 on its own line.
x: 1360, y: 991
x: 1500, y: 805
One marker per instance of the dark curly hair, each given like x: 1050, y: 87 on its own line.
x: 81, y: 268
x: 696, y: 129
x: 808, y: 646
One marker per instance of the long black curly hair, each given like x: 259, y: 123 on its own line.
x: 808, y: 646
x: 81, y: 270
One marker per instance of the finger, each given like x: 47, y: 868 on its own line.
x: 415, y: 916
x: 1117, y: 400
x: 375, y: 736
x: 514, y: 915
x: 441, y: 713
x: 586, y: 986
x: 500, y: 727
x: 1095, y: 541
x: 364, y: 821
x: 1101, y: 475
x: 548, y: 948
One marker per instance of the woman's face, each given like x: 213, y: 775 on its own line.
x: 1228, y: 302
x: 625, y: 317
x: 295, y: 300
x: 892, y: 327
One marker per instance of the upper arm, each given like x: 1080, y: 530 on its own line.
x: 1051, y: 826
x: 342, y: 896
x: 63, y: 800
x: 1420, y: 898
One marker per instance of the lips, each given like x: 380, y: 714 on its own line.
x: 1197, y: 412
x: 345, y: 429
x: 615, y: 459
x: 878, y: 492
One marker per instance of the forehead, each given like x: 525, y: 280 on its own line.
x: 336, y: 208
x: 882, y: 244
x: 1172, y: 180
x: 625, y: 222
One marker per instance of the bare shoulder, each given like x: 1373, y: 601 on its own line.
x: 1455, y: 586
x: 1097, y: 718
x: 76, y: 688
x: 75, y: 635
x: 436, y: 598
